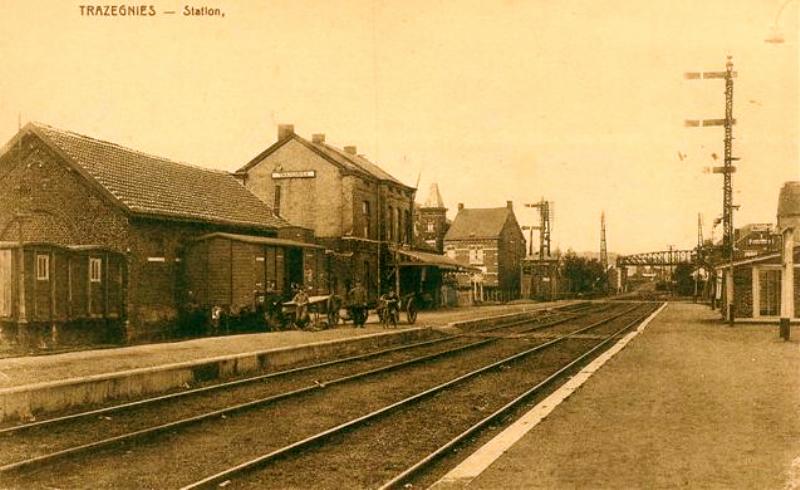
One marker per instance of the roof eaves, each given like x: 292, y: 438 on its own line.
x: 163, y: 215
x: 264, y: 154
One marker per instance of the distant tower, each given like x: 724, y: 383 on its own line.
x: 603, y: 250
x: 699, y: 236
x: 433, y: 219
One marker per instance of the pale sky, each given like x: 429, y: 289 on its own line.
x: 579, y: 101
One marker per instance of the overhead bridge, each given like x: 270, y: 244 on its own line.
x: 666, y: 257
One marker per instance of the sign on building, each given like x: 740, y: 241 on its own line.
x: 295, y: 174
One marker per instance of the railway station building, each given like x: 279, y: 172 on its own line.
x: 94, y: 237
x: 357, y: 211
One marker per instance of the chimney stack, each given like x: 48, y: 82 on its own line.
x: 285, y: 131
x: 460, y: 206
x: 350, y: 150
x: 510, y: 204
x: 318, y: 138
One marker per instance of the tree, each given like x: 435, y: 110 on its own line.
x: 684, y: 281
x: 583, y: 275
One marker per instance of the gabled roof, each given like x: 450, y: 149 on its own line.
x: 153, y: 186
x: 350, y: 162
x: 478, y: 223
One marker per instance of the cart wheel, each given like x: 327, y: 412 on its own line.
x: 411, y: 312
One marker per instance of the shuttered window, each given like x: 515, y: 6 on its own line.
x: 42, y: 267
x: 95, y: 269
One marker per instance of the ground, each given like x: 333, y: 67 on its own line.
x: 690, y: 403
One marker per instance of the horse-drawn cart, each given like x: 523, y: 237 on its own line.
x: 322, y: 311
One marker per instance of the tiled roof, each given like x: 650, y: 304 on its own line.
x: 478, y: 223
x: 150, y: 185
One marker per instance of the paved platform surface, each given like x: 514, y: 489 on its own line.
x: 690, y: 403
x: 21, y: 371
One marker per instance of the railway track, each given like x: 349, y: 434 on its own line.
x: 465, y: 350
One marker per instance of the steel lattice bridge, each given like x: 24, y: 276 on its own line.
x: 666, y: 257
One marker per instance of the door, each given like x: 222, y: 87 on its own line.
x: 5, y: 283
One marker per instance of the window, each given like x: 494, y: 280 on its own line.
x: 407, y: 228
x: 95, y: 269
x: 277, y: 204
x: 476, y: 255
x: 431, y: 227
x: 397, y: 224
x: 451, y: 252
x: 42, y: 267
x: 390, y: 227
x: 365, y: 218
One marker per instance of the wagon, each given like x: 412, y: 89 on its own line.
x: 325, y: 306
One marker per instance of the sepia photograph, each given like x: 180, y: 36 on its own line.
x: 400, y: 244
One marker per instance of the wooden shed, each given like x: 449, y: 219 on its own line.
x: 50, y: 293
x: 232, y: 271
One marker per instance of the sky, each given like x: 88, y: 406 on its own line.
x: 580, y: 102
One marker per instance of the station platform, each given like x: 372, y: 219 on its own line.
x: 18, y: 371
x: 690, y: 402
x: 37, y: 385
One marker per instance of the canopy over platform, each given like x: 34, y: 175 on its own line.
x: 413, y: 258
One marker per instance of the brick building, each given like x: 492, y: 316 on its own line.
x: 491, y: 240
x: 355, y: 208
x: 431, y: 220
x: 64, y: 192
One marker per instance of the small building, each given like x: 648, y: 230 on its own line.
x: 355, y: 208
x: 491, y: 240
x: 113, y: 214
x: 541, y: 279
x: 766, y: 287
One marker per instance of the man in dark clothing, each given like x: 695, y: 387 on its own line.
x: 358, y: 305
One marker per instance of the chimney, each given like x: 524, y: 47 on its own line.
x: 350, y: 150
x: 510, y: 204
x: 460, y: 206
x: 318, y: 138
x: 285, y: 131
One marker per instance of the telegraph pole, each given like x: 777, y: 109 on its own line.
x: 603, y: 250
x: 700, y: 260
x: 726, y: 170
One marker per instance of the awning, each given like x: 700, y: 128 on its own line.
x: 424, y: 259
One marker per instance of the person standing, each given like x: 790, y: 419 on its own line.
x: 358, y: 305
x: 301, y: 307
